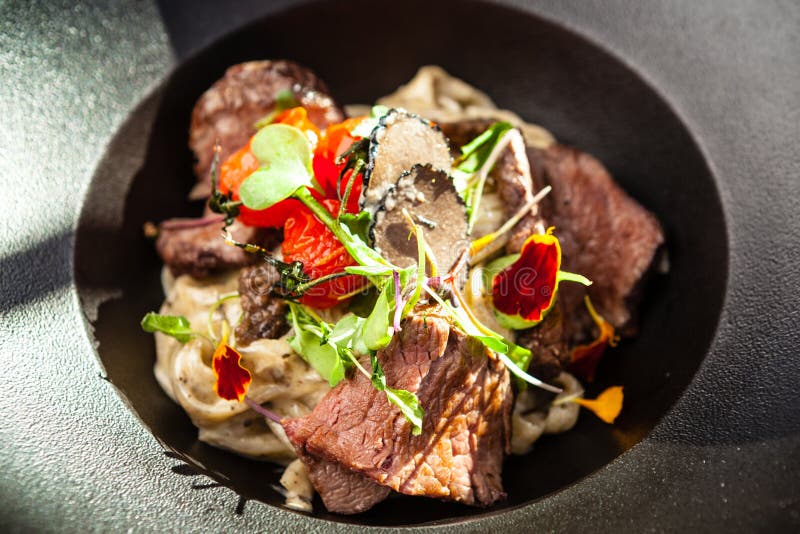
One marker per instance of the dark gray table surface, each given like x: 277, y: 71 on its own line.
x: 73, y: 456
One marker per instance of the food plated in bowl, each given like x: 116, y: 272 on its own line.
x: 361, y: 291
x: 584, y: 95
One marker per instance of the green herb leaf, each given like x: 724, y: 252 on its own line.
x: 171, y: 325
x: 493, y: 343
x: 283, y: 100
x: 363, y: 303
x: 405, y: 400
x: 312, y: 345
x: 475, y: 153
x: 358, y: 224
x: 348, y: 334
x: 285, y: 155
x: 409, y: 405
x: 376, y: 329
x: 378, y: 377
x: 369, y: 270
x: 324, y: 358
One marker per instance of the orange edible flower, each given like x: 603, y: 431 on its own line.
x: 585, y: 358
x: 232, y: 380
x: 606, y: 406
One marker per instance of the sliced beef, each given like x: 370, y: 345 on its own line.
x: 605, y: 234
x: 466, y: 395
x: 228, y: 110
x: 511, y: 175
x: 459, y: 133
x: 342, y: 490
x: 263, y: 315
x: 549, y: 348
x: 196, y: 246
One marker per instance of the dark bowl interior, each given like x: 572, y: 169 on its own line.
x: 584, y: 95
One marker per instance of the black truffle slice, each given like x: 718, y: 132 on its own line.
x: 400, y: 141
x: 430, y: 197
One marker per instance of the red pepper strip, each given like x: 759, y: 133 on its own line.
x: 330, y: 144
x: 334, y: 141
x: 308, y: 240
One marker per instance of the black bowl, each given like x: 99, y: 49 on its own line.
x: 583, y: 94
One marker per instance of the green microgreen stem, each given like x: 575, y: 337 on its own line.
x: 346, y: 197
x: 302, y: 288
x: 352, y: 358
x: 466, y: 320
x: 398, y: 302
x: 483, y: 174
x: 355, y: 247
x: 567, y: 398
x: 562, y: 276
x: 214, y: 307
x: 421, y: 246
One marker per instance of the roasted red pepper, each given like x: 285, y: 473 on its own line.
x: 233, y: 172
x: 329, y: 145
x: 308, y: 240
x: 334, y: 141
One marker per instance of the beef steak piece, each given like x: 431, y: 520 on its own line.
x: 605, y: 234
x: 196, y: 246
x: 459, y: 133
x: 342, y: 490
x: 228, y: 111
x: 263, y: 315
x: 466, y: 394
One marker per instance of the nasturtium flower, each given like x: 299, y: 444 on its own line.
x: 232, y: 380
x: 585, y: 358
x: 606, y: 406
x: 525, y: 288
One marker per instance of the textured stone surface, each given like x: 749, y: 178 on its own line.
x: 74, y: 457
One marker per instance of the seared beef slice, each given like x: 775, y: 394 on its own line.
x: 228, y: 111
x: 467, y: 399
x: 190, y: 246
x: 605, y: 234
x: 342, y: 491
x: 263, y: 315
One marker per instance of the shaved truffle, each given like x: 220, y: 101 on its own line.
x: 431, y: 199
x: 401, y: 141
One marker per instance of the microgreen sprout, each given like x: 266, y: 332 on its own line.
x: 219, y: 203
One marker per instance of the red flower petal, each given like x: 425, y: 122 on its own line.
x: 233, y: 380
x: 585, y: 358
x: 527, y: 287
